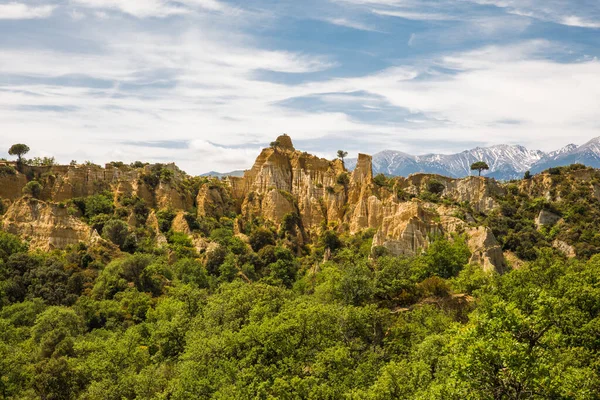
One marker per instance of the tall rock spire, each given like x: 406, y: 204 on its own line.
x: 285, y: 142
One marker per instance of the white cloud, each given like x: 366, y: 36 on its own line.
x: 580, y: 22
x: 550, y: 99
x: 153, y: 8
x: 414, y: 15
x: 16, y: 10
x: 208, y: 91
x: 207, y: 85
x: 584, y: 14
x: 351, y: 24
x: 207, y: 4
x: 137, y: 8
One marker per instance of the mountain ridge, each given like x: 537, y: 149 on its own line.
x: 506, y: 162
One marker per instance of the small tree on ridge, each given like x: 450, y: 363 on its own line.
x: 342, y: 154
x: 18, y: 150
x: 479, y: 166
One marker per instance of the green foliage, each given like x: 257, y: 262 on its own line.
x: 380, y: 180
x: 181, y: 245
x: 341, y: 154
x: 330, y: 240
x: 156, y: 174
x: 260, y: 238
x: 165, y: 219
x: 93, y: 206
x: 42, y: 162
x: 446, y: 258
x: 18, y: 150
x: 9, y: 245
x: 343, y: 179
x: 138, y: 164
x: 141, y: 271
x: 226, y: 318
x: 290, y: 223
x: 33, y: 189
x: 436, y: 187
x: 191, y: 271
x: 117, y: 164
x: 116, y: 231
x: 554, y: 171
x: 7, y: 170
x: 479, y: 166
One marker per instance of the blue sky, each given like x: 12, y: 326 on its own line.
x: 207, y: 83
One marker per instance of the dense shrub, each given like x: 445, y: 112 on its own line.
x: 7, y: 170
x: 33, y: 189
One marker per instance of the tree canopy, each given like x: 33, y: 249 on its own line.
x: 341, y: 154
x: 479, y: 166
x: 18, y: 150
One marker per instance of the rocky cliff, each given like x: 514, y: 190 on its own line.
x: 283, y: 185
x: 46, y: 226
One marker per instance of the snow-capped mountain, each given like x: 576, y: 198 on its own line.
x: 587, y: 154
x: 505, y: 161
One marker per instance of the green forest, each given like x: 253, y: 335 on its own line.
x: 277, y: 317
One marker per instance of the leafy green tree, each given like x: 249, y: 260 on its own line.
x: 446, y: 258
x: 98, y: 204
x: 356, y: 285
x: 380, y: 180
x: 330, y: 240
x: 55, y: 379
x: 165, y: 219
x: 341, y: 154
x: 343, y: 179
x: 191, y: 271
x: 9, y: 245
x: 54, y: 331
x: 42, y: 162
x: 33, y: 189
x: 479, y: 166
x: 260, y: 238
x: 436, y: 187
x: 18, y: 150
x: 215, y: 258
x: 116, y: 231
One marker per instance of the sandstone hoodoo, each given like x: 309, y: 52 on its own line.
x: 286, y: 188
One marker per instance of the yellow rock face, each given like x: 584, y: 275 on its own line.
x: 408, y: 229
x: 46, y: 226
x: 213, y: 201
x: 281, y: 181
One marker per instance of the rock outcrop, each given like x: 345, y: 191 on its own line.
x: 485, y: 249
x: 213, y: 201
x: 565, y: 248
x: 407, y: 230
x: 65, y: 182
x: 546, y: 218
x: 11, y: 186
x: 282, y: 181
x: 46, y: 226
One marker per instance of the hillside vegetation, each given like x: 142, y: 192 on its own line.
x: 158, y: 285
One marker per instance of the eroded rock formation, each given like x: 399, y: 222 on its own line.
x: 46, y: 226
x: 283, y: 181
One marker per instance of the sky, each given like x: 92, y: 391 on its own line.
x: 207, y: 83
